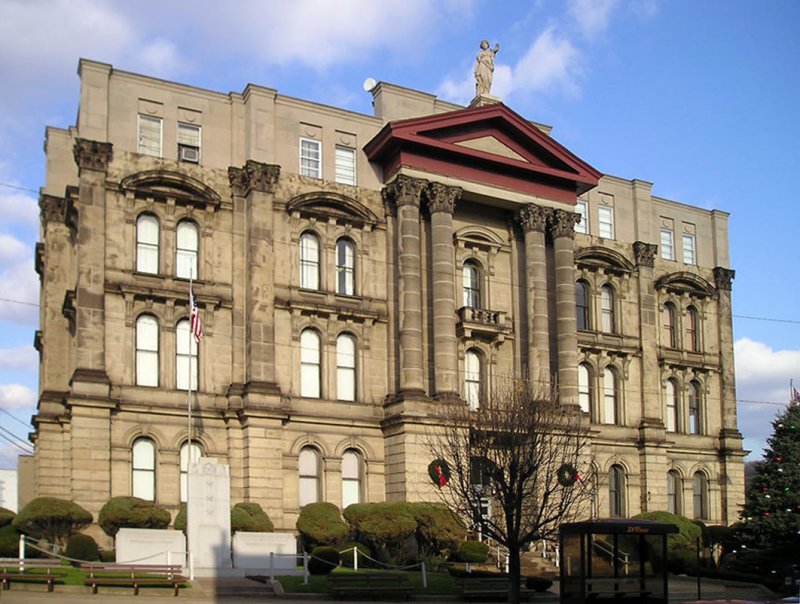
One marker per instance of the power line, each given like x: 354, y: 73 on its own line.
x: 24, y: 450
x: 14, y: 417
x: 15, y: 437
x: 10, y: 186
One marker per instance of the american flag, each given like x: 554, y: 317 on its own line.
x: 194, y: 319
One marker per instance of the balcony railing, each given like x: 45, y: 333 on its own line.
x: 482, y: 322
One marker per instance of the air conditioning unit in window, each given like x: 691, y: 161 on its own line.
x: 189, y: 154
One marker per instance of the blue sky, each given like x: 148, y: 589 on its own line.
x: 699, y: 98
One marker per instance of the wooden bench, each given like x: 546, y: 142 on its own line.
x: 134, y: 575
x: 30, y: 570
x: 611, y: 588
x: 488, y: 588
x: 370, y: 584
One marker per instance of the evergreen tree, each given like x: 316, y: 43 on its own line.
x: 772, y: 508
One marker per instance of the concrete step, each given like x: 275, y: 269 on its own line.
x: 240, y: 587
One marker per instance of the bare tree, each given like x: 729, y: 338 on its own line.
x: 521, y: 453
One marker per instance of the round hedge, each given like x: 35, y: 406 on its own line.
x: 82, y: 547
x: 323, y: 560
x: 249, y: 517
x: 439, y: 530
x: 321, y: 524
x: 681, y: 546
x: 473, y: 551
x: 6, y: 516
x: 9, y: 541
x: 52, y: 519
x: 131, y: 512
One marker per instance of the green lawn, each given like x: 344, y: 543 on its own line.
x: 439, y: 584
x: 70, y: 575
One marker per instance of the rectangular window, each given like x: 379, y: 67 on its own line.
x: 310, y: 158
x: 688, y: 249
x: 605, y: 216
x: 149, y: 135
x: 345, y: 159
x: 189, y: 143
x: 582, y: 208
x: 667, y: 246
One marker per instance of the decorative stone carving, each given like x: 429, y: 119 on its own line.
x: 442, y: 198
x: 562, y: 223
x: 92, y: 155
x: 723, y: 277
x: 238, y: 180
x: 405, y: 190
x: 255, y: 176
x: 644, y: 253
x: 484, y: 68
x: 533, y: 218
x: 57, y: 209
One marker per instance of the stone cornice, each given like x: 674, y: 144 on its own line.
x: 57, y: 210
x: 92, y: 155
x: 644, y: 253
x: 254, y: 176
x: 442, y: 198
x: 405, y: 190
x: 723, y: 278
x: 533, y: 218
x: 562, y: 223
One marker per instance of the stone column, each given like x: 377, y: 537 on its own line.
x: 441, y: 204
x: 405, y: 192
x: 256, y: 184
x: 534, y: 222
x: 562, y: 225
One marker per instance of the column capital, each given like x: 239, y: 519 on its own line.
x: 723, y: 278
x: 442, y: 198
x: 562, y: 223
x: 533, y: 218
x: 644, y: 253
x: 405, y: 190
x: 254, y: 176
x: 92, y: 155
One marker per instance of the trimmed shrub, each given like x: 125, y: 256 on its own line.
x: 439, y: 530
x: 323, y: 560
x: 180, y: 519
x: 9, y: 541
x: 321, y: 524
x: 387, y: 528
x: 51, y: 519
x: 108, y: 555
x: 538, y: 583
x: 82, y: 547
x: 473, y: 551
x: 249, y: 517
x: 346, y: 554
x: 682, y: 546
x: 6, y: 516
x: 131, y: 512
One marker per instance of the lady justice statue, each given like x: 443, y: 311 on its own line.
x: 484, y: 68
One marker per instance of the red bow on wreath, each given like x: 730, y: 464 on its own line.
x: 442, y: 477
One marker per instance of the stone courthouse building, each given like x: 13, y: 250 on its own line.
x: 352, y: 272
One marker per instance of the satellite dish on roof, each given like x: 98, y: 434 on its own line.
x: 369, y: 84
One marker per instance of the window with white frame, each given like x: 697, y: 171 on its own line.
x: 345, y: 165
x: 147, y: 244
x: 671, y: 401
x: 189, y: 455
x: 674, y: 493
x: 143, y: 469
x: 582, y: 308
x: 605, y: 221
x: 582, y: 208
x: 187, y: 242
x: 147, y: 351
x: 149, y: 135
x: 308, y: 469
x: 610, y: 394
x: 689, y: 249
x: 695, y: 425
x: 310, y: 158
x: 309, y: 261
x: 616, y: 491
x: 700, y: 496
x: 351, y: 478
x: 189, y: 143
x: 471, y: 284
x: 310, y: 363
x: 607, y: 309
x: 346, y: 367
x: 584, y: 388
x: 345, y: 266
x: 667, y: 244
x: 472, y: 379
x: 185, y: 357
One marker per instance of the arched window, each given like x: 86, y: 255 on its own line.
x: 345, y: 267
x: 473, y: 379
x: 185, y: 357
x: 692, y: 329
x: 616, y: 491
x: 695, y: 423
x: 674, y: 493
x: 351, y: 478
x: 610, y: 397
x: 188, y: 457
x: 308, y: 466
x: 346, y: 367
x: 186, y: 250
x: 147, y: 351
x: 471, y: 282
x: 668, y: 325
x: 143, y: 466
x: 700, y: 496
x: 309, y: 261
x: 584, y: 388
x: 147, y: 244
x: 310, y: 363
x: 671, y: 401
x: 582, y: 305
x: 607, y: 309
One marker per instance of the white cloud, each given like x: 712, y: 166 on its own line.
x: 18, y: 207
x: 19, y: 357
x: 551, y: 65
x: 18, y: 281
x: 14, y: 396
x: 591, y: 16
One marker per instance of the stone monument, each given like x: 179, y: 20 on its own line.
x: 209, y: 516
x: 484, y: 74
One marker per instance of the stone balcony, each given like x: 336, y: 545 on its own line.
x: 482, y: 323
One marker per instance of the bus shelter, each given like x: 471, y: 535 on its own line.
x: 614, y: 560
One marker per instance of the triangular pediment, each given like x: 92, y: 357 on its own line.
x: 490, y: 145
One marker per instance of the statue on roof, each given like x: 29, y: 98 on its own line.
x: 484, y: 68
